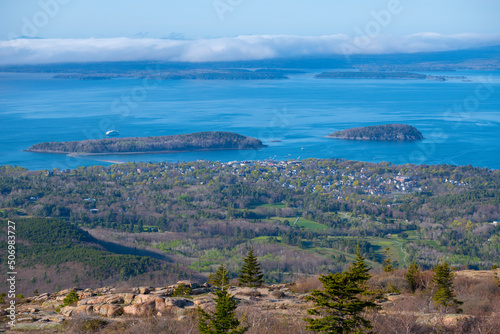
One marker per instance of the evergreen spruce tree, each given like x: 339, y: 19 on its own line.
x: 340, y: 304
x: 182, y: 290
x: 444, y: 296
x: 223, y: 320
x: 220, y: 278
x: 388, y: 267
x: 250, y: 274
x: 413, y: 276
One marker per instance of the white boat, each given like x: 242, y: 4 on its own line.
x: 112, y: 133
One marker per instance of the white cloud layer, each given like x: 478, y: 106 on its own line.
x: 25, y: 51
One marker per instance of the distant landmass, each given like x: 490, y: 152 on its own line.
x: 476, y: 59
x: 189, y: 74
x: 388, y: 132
x: 175, y: 143
x: 384, y: 75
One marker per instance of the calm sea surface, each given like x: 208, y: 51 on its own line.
x: 460, y: 120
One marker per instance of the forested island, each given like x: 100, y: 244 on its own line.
x: 387, y: 132
x: 184, y: 142
x: 188, y: 74
x: 244, y: 74
x: 382, y: 75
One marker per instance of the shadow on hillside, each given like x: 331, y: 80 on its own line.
x: 125, y: 250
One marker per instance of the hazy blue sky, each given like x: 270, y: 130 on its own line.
x: 200, y: 19
x: 212, y: 30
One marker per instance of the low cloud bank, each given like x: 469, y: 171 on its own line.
x: 26, y: 51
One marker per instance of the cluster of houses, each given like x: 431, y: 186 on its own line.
x: 456, y: 183
x: 312, y: 176
x: 327, y: 179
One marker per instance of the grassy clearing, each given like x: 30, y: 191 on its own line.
x: 302, y: 222
x: 272, y: 206
x: 310, y: 224
x: 349, y: 257
x: 266, y: 238
x: 412, y: 235
x: 394, y: 248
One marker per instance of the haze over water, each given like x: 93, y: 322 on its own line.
x: 290, y: 116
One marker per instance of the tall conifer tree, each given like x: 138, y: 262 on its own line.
x: 413, y: 277
x: 250, y: 274
x: 340, y: 304
x: 223, y: 320
x: 220, y: 278
x: 443, y: 278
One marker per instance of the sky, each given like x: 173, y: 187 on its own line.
x: 207, y: 30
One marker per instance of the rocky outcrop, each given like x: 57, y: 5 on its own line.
x: 40, y: 311
x: 141, y: 309
x: 108, y: 305
x: 141, y: 299
x: 125, y: 298
x: 109, y: 310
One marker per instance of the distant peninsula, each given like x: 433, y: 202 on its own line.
x: 383, y: 75
x: 388, y: 132
x: 188, y: 74
x: 163, y: 144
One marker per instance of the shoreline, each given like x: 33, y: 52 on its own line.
x: 448, y: 163
x: 83, y: 154
x: 361, y: 139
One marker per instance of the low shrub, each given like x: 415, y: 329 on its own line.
x: 307, y: 284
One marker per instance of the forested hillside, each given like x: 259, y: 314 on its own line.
x: 52, y: 254
x: 199, y: 214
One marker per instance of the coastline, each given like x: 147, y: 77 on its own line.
x: 83, y: 154
x: 363, y: 139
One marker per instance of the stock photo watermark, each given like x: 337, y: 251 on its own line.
x: 32, y: 24
x: 462, y: 111
x: 223, y: 7
x: 11, y: 273
x: 122, y: 106
x: 457, y: 114
x: 126, y: 103
x: 131, y: 99
x: 363, y: 37
x: 279, y: 119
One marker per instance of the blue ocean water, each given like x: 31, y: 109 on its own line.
x: 459, y: 119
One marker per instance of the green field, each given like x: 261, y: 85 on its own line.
x: 302, y: 222
x: 272, y: 206
x: 395, y: 252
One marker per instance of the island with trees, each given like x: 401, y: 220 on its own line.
x: 188, y: 74
x: 161, y: 144
x: 384, y: 75
x: 387, y: 132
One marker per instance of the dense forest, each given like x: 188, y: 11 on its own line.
x: 387, y: 132
x: 184, y: 142
x: 302, y: 217
x: 55, y: 254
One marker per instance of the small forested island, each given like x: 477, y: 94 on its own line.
x: 382, y: 75
x: 387, y: 132
x: 184, y: 142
